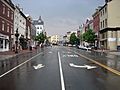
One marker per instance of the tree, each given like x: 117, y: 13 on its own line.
x: 40, y: 38
x: 74, y: 39
x: 89, y: 36
x: 23, y: 42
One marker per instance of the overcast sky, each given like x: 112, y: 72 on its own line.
x: 60, y: 16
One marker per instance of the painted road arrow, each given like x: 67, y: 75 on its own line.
x: 70, y: 56
x: 39, y: 66
x: 85, y: 66
x: 50, y: 52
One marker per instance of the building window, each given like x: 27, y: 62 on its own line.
x: 105, y: 9
x: 101, y: 13
x: 103, y: 35
x: 40, y: 27
x: 37, y: 27
x: 8, y: 28
x: 8, y: 14
x: 101, y: 25
x: 3, y: 25
x: 11, y: 15
x: 111, y: 34
x: 105, y: 22
x: 1, y: 43
x: 11, y: 30
x: 3, y: 9
x: 38, y: 32
x: 6, y: 43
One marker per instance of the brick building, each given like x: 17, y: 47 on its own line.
x: 6, y: 24
x: 96, y: 26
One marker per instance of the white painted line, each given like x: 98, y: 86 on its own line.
x: 19, y: 65
x: 39, y: 66
x: 61, y: 73
x: 100, y: 64
x: 50, y: 52
x: 72, y: 55
x: 85, y: 66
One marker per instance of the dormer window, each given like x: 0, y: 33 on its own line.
x: 39, y: 21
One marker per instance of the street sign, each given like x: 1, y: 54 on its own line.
x: 39, y: 66
x: 85, y: 66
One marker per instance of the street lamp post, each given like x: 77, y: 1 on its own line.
x: 16, y: 42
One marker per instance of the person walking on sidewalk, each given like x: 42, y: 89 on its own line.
x: 102, y: 48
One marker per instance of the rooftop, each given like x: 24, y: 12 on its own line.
x: 38, y: 22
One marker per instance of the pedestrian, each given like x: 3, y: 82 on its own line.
x: 13, y: 47
x: 102, y: 48
x: 51, y: 45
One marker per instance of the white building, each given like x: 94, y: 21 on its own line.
x: 39, y: 24
x: 69, y: 34
x: 65, y: 39
x: 19, y: 22
x: 55, y: 39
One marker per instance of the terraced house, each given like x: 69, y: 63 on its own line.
x: 110, y: 25
x: 6, y: 24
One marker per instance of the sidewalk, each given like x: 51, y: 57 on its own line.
x: 10, y: 54
x: 109, y: 52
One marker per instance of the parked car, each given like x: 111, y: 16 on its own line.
x: 74, y: 45
x: 69, y: 45
x: 84, y: 48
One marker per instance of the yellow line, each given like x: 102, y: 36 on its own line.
x: 100, y: 64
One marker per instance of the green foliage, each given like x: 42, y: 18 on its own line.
x: 74, y: 39
x: 23, y: 42
x: 40, y: 38
x: 89, y: 36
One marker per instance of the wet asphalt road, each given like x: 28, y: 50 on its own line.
x: 48, y: 77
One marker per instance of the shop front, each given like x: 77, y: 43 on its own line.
x: 4, y: 43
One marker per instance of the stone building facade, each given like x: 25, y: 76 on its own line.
x: 110, y: 25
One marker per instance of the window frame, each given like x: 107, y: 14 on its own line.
x: 3, y: 25
x: 3, y: 10
x: 8, y: 27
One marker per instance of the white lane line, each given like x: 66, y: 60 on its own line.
x: 61, y: 73
x: 19, y: 65
x: 39, y: 66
